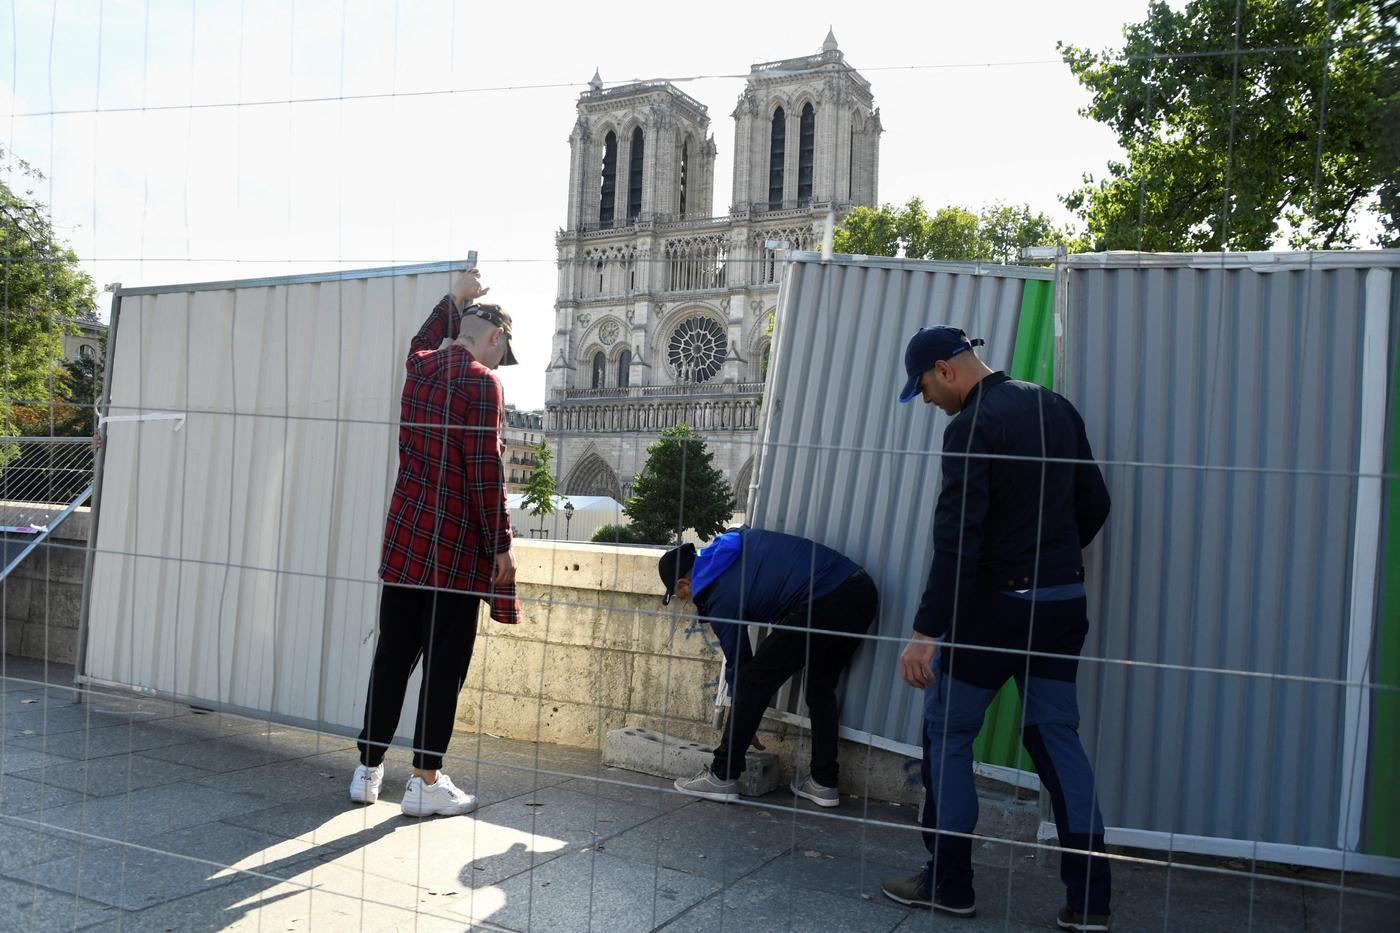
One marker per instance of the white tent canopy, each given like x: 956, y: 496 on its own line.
x: 590, y: 514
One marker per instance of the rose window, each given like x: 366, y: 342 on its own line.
x: 697, y: 350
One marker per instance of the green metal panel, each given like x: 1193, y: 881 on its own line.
x: 999, y: 743
x: 1383, y: 826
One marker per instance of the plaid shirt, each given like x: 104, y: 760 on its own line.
x: 447, y: 518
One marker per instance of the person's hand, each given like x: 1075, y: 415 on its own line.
x: 504, y: 574
x: 916, y: 663
x: 468, y: 287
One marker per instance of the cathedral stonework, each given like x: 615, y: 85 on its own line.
x: 664, y: 312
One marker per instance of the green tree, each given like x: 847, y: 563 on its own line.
x: 73, y: 413
x: 43, y: 288
x: 996, y: 234
x: 539, y: 492
x: 679, y: 488
x: 1295, y: 141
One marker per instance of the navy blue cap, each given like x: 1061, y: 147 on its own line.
x: 929, y: 346
x: 674, y: 566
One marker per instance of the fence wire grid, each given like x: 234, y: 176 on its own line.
x: 181, y: 693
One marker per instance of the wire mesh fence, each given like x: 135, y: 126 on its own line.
x: 221, y: 611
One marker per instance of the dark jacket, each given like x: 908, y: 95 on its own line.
x: 1010, y: 524
x: 774, y: 574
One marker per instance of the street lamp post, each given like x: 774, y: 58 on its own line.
x: 568, y: 517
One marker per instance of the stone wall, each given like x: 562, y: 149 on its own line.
x: 597, y: 651
x: 41, y: 600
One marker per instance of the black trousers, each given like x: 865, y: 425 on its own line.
x: 439, y: 628
x: 825, y: 649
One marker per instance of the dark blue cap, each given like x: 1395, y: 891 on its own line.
x: 928, y: 346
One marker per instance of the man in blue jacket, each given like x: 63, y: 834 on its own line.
x: 1021, y: 498
x: 820, y: 603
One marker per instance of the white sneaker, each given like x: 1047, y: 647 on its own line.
x: 442, y: 798
x: 365, y: 785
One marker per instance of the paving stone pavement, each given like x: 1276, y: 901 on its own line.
x: 122, y: 814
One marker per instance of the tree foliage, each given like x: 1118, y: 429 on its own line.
x: 539, y: 492
x: 679, y: 488
x: 621, y: 534
x: 41, y: 289
x: 1294, y: 139
x: 996, y: 234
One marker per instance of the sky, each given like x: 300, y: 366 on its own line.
x: 202, y: 140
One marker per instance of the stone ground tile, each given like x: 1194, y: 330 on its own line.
x: 449, y: 856
x: 712, y: 841
x: 338, y: 887
x: 55, y: 720
x: 1194, y: 900
x: 594, y: 891
x: 428, y: 923
x: 332, y: 824
x: 630, y: 787
x: 137, y: 816
x: 16, y: 760
x: 125, y: 877
x: 107, y: 777
x: 22, y: 846
x: 20, y: 675
x: 1034, y: 898
x: 276, y: 784
x: 101, y: 743
x: 26, y: 906
x: 20, y: 797
x: 255, y: 904
x: 237, y: 850
x: 67, y: 716
x: 880, y: 832
x: 577, y: 819
x: 231, y: 753
x: 841, y: 872
x: 1353, y: 909
x: 753, y: 905
x: 215, y: 724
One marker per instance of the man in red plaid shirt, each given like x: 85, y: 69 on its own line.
x: 447, y: 543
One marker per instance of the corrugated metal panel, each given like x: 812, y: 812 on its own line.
x: 843, y: 464
x: 1198, y: 381
x: 237, y: 552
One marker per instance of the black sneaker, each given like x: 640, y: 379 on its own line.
x: 1070, y: 919
x: 911, y: 893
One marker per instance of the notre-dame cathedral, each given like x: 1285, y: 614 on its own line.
x: 664, y: 313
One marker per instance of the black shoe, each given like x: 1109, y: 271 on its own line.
x: 911, y: 893
x: 1071, y: 919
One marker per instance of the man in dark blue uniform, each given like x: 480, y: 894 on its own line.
x: 1021, y: 498
x: 821, y: 603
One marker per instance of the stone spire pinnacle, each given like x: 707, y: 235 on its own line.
x: 596, y: 82
x: 830, y: 44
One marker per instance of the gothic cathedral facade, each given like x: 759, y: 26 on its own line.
x: 664, y: 312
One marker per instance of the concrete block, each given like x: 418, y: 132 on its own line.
x: 654, y: 753
x: 55, y: 644
x: 64, y: 605
x: 15, y: 597
x: 14, y: 637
